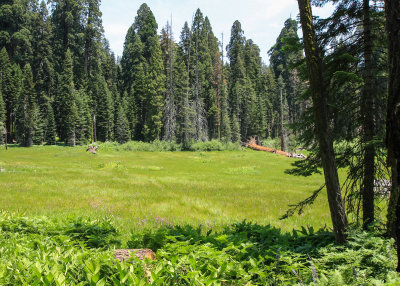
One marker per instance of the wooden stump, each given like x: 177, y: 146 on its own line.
x: 125, y: 254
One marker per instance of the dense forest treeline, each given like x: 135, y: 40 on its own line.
x: 59, y: 79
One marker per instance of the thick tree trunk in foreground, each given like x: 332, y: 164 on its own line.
x: 323, y: 133
x: 392, y: 10
x: 367, y: 110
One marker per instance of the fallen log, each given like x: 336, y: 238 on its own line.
x: 252, y: 144
x: 92, y: 149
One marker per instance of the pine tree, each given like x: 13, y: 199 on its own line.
x: 66, y: 109
x: 169, y: 114
x: 10, y: 84
x: 156, y: 88
x: 121, y: 124
x: 320, y: 108
x: 42, y: 67
x: 92, y: 33
x: 84, y: 118
x: 237, y: 78
x: 104, y: 108
x: 2, y: 118
x: 144, y: 78
x: 68, y: 28
x: 15, y: 30
x: 213, y: 77
x: 50, y: 126
x: 26, y: 110
x: 284, y: 55
x: 199, y: 73
x: 2, y: 110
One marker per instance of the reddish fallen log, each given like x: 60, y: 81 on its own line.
x: 271, y: 150
x: 252, y: 144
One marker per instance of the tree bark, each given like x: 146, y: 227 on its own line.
x: 394, y: 196
x: 392, y: 11
x: 283, y: 145
x: 367, y: 110
x: 322, y: 129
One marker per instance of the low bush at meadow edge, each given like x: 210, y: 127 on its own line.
x: 165, y: 146
x: 72, y: 251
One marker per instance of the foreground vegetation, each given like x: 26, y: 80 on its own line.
x: 79, y: 251
x: 136, y: 188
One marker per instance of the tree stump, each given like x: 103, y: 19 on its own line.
x: 125, y: 254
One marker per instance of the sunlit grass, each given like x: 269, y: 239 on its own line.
x: 134, y: 188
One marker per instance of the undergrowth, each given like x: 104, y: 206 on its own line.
x: 79, y: 251
x: 165, y: 146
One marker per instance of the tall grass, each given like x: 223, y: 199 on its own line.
x: 135, y: 187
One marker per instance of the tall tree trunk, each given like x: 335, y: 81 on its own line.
x: 394, y: 196
x: 367, y: 109
x: 323, y: 133
x: 392, y: 11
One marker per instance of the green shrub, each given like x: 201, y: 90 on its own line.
x: 43, y: 251
x: 215, y: 145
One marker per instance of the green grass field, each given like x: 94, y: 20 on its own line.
x: 139, y: 189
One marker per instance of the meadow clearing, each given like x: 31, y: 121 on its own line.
x: 64, y: 211
x: 151, y: 188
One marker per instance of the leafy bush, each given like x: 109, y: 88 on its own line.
x: 94, y: 234
x: 150, y: 147
x: 167, y: 146
x: 43, y: 251
x: 272, y: 143
x: 215, y: 145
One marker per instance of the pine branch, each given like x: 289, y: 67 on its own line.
x: 299, y: 207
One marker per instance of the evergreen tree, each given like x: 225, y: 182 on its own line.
x: 66, y: 109
x: 144, y: 79
x: 68, y: 22
x: 104, y: 108
x: 284, y: 56
x: 2, y: 118
x: 320, y: 107
x: 10, y: 84
x: 213, y: 76
x: 183, y: 105
x: 84, y: 119
x: 26, y: 110
x: 2, y: 110
x: 92, y: 33
x: 156, y: 88
x: 169, y: 115
x: 15, y: 33
x: 50, y: 126
x: 237, y: 78
x: 121, y: 124
x: 199, y: 73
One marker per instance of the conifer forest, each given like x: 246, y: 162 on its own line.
x: 153, y: 201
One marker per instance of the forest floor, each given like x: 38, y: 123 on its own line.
x: 137, y: 189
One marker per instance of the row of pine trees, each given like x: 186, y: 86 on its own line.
x: 60, y: 80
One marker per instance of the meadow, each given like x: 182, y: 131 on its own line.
x: 211, y: 217
x: 137, y: 189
